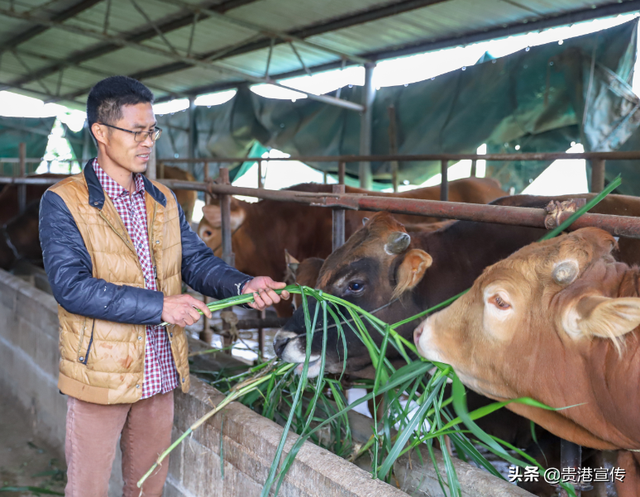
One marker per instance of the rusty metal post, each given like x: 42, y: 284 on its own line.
x: 225, y: 212
x: 342, y: 166
x: 597, y: 175
x: 325, y: 177
x: 22, y: 172
x: 263, y: 315
x: 444, y: 184
x: 338, y: 222
x: 366, y: 120
x: 393, y: 146
x: 152, y: 172
x: 571, y: 457
x: 260, y: 174
x: 474, y: 168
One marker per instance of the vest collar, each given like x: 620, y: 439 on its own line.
x: 96, y: 193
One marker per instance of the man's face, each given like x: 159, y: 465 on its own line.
x: 121, y: 147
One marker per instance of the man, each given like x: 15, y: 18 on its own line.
x: 116, y: 248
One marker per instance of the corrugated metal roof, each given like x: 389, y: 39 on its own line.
x: 58, y: 50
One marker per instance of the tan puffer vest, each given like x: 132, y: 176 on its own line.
x: 102, y: 361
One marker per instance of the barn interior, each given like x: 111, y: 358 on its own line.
x: 239, y: 84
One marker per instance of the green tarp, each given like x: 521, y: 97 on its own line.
x: 32, y: 131
x: 535, y: 98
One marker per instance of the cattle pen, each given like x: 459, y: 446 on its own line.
x: 339, y: 202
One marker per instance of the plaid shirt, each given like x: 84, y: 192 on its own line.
x: 160, y: 374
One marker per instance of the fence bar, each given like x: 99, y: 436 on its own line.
x: 528, y: 156
x: 393, y: 145
x: 571, y: 457
x: 22, y: 172
x: 225, y: 213
x: 338, y: 222
x: 342, y: 166
x: 260, y: 185
x: 444, y: 184
x: 474, y: 168
x: 520, y: 216
x: 597, y: 175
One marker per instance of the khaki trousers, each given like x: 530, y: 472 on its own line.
x: 144, y: 429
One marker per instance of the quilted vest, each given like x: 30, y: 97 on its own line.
x: 102, y: 361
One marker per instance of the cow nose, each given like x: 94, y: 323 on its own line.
x: 281, y: 340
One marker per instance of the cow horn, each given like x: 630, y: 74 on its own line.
x: 565, y: 272
x: 364, y: 220
x: 397, y: 242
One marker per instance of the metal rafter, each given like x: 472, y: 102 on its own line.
x: 269, y: 33
x: 212, y: 66
x: 312, y: 30
x: 179, y: 20
x: 36, y: 30
x: 298, y: 34
x: 97, y: 72
x: 429, y: 45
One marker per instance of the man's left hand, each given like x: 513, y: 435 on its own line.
x: 263, y: 288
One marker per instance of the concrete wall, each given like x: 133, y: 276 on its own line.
x: 28, y: 374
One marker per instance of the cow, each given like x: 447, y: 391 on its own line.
x: 262, y: 231
x: 382, y: 267
x: 558, y: 321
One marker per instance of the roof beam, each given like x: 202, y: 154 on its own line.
x: 311, y: 30
x: 88, y: 70
x: 39, y: 29
x: 213, y: 66
x: 431, y: 45
x: 178, y: 21
x: 269, y: 33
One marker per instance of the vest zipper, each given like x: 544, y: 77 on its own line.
x: 86, y: 356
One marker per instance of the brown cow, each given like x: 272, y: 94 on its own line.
x: 557, y: 321
x: 262, y: 231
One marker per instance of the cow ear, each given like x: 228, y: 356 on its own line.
x: 213, y: 216
x: 211, y: 213
x: 411, y: 271
x: 604, y: 317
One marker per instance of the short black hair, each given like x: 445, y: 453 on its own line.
x: 106, y: 98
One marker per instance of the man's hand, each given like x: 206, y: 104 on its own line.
x: 262, y: 288
x: 181, y: 310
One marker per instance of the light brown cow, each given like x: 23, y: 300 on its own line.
x: 558, y: 321
x: 263, y: 230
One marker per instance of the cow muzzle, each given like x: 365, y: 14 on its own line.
x: 291, y: 347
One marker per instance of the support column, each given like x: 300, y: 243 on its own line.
x: 338, y: 222
x: 86, y: 145
x: 22, y: 189
x: 225, y: 212
x: 192, y: 135
x: 444, y: 184
x: 152, y: 171
x: 369, y: 93
x: 571, y: 457
x: 393, y: 146
x: 597, y: 175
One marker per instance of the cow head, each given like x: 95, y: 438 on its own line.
x: 374, y: 268
x: 540, y: 324
x: 210, y: 227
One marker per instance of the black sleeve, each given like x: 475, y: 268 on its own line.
x: 69, y: 269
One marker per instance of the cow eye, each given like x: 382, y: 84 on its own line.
x: 208, y: 233
x: 499, y: 302
x: 356, y: 286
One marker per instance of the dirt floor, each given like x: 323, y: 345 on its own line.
x: 26, y: 461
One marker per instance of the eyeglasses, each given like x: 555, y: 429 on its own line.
x: 139, y: 136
